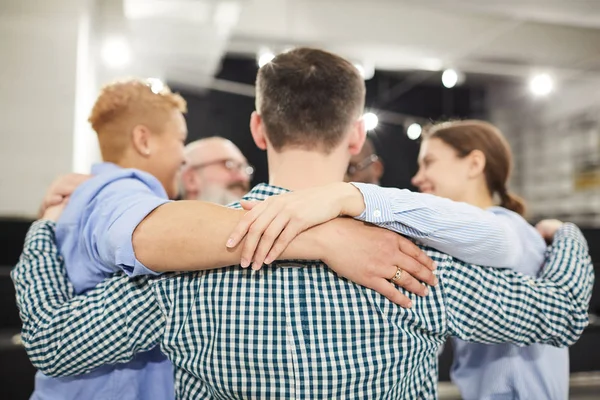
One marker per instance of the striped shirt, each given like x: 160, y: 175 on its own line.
x: 466, y: 232
x: 293, y: 330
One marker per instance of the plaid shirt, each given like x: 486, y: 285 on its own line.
x: 293, y: 330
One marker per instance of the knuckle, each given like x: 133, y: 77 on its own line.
x: 287, y: 235
x: 395, y: 295
x: 370, y: 269
x: 295, y: 219
x: 392, y: 297
x: 389, y: 237
x: 276, y: 249
x: 254, y: 229
x: 267, y: 237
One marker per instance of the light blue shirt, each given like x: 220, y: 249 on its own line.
x: 496, y: 237
x: 94, y: 238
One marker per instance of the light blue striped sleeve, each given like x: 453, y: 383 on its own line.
x: 461, y: 230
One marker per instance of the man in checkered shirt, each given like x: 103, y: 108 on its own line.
x: 295, y: 330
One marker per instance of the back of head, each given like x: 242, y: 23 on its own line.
x: 469, y: 135
x: 123, y: 105
x: 308, y: 99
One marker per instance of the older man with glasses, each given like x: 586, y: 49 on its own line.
x: 216, y: 171
x: 365, y: 167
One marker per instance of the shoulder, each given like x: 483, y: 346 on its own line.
x: 519, y: 225
x: 122, y: 183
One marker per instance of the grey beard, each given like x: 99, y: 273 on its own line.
x: 218, y: 195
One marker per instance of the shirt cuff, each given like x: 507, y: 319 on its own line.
x: 123, y: 233
x: 378, y: 209
x: 44, y: 224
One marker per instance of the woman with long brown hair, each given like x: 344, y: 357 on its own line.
x: 470, y: 161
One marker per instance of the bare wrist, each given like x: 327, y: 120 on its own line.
x: 311, y: 244
x: 322, y: 236
x: 353, y: 203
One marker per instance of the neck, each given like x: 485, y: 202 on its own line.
x: 479, y: 196
x: 300, y: 169
x: 130, y: 161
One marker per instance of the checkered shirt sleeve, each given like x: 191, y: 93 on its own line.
x: 293, y: 331
x: 66, y: 335
x: 490, y: 305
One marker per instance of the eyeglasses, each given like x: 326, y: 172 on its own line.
x: 361, y: 165
x: 230, y: 165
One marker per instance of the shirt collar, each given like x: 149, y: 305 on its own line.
x: 263, y: 191
x: 104, y: 167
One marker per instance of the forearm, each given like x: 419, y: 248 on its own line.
x: 65, y: 336
x: 495, y: 306
x: 192, y: 235
x: 461, y: 230
x: 569, y: 265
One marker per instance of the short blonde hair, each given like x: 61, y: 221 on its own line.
x: 124, y: 104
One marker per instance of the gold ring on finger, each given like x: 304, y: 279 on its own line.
x: 397, y: 276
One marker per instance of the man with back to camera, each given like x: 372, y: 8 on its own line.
x: 301, y: 331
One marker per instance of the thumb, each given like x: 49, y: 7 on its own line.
x: 248, y: 205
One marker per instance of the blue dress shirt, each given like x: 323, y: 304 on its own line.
x: 94, y: 238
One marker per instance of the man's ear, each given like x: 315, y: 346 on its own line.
x: 189, y: 179
x: 358, y: 135
x: 257, y: 128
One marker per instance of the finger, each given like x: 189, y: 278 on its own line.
x: 290, y: 232
x: 68, y: 184
x: 412, y: 250
x: 277, y: 226
x: 412, y: 285
x: 255, y: 232
x: 390, y: 291
x: 415, y: 269
x: 243, y: 226
x: 53, y: 200
x: 248, y: 205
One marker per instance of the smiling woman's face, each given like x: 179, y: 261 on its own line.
x: 441, y: 171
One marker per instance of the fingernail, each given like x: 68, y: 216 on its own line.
x: 435, y: 281
x: 268, y: 260
x: 230, y: 242
x: 255, y: 266
x: 435, y: 265
x: 244, y: 263
x: 410, y: 304
x: 426, y: 291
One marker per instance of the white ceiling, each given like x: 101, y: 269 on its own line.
x: 184, y: 40
x: 509, y: 37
